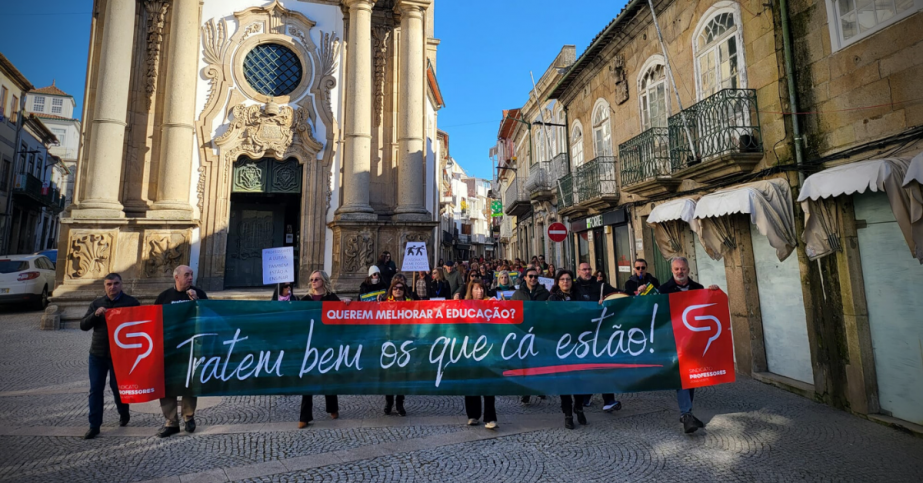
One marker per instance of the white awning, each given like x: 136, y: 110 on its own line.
x: 914, y: 171
x: 913, y: 185
x: 666, y: 219
x: 680, y: 209
x: 892, y: 176
x: 769, y: 204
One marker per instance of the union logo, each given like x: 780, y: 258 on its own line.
x: 137, y: 345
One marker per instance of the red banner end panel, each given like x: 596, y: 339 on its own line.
x: 704, y: 345
x: 136, y: 344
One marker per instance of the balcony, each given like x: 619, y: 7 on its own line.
x: 647, y: 168
x: 463, y: 238
x: 506, y: 230
x: 543, y: 176
x: 515, y: 200
x: 725, y: 132
x: 30, y: 187
x: 596, y: 184
x: 566, y: 193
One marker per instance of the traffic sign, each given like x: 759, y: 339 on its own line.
x: 557, y: 232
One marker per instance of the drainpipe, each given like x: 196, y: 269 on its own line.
x: 790, y: 77
x: 567, y: 136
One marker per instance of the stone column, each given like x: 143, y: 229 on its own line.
x: 107, y: 138
x: 358, y: 128
x: 411, y: 186
x: 172, y: 200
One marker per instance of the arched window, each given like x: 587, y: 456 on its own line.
x: 541, y: 147
x: 602, y: 132
x: 576, y: 145
x: 652, y: 93
x: 717, y: 45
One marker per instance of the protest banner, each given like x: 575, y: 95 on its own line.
x: 225, y: 348
x: 278, y: 265
x: 415, y: 258
x: 548, y: 282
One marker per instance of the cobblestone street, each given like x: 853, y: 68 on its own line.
x: 755, y: 432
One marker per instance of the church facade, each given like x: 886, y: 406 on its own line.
x: 214, y: 129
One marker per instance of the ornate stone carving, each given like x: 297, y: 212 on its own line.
x: 163, y: 253
x: 328, y: 53
x: 277, y: 131
x: 156, y: 20
x: 214, y: 45
x: 621, y: 82
x: 358, y: 252
x: 200, y: 189
x: 251, y: 29
x: 89, y: 255
x: 381, y: 34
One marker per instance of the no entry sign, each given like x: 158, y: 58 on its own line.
x: 557, y: 232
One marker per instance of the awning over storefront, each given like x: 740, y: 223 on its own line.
x: 769, y: 204
x: 667, y: 220
x: 890, y: 175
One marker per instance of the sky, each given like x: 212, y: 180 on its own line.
x: 488, y: 48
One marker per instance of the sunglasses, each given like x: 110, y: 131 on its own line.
x: 640, y: 268
x: 398, y: 288
x: 531, y: 276
x: 565, y: 280
x: 317, y: 280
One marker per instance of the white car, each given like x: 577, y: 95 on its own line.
x: 26, y: 278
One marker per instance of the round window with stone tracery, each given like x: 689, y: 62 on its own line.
x: 272, y: 69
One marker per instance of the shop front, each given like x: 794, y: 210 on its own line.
x: 604, y: 241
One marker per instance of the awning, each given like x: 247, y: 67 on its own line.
x: 769, y: 204
x: 913, y: 185
x: 821, y: 233
x: 667, y: 220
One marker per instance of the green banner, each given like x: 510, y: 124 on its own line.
x: 496, y: 208
x: 448, y: 348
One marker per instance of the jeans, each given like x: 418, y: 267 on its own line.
x: 99, y: 367
x: 571, y: 404
x: 307, y: 407
x: 389, y: 399
x: 684, y: 397
x: 473, y: 408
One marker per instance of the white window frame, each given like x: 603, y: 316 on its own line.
x: 561, y: 133
x: 57, y: 105
x: 837, y: 42
x: 576, y: 144
x: 652, y: 62
x: 604, y: 126
x: 38, y: 104
x: 718, y: 8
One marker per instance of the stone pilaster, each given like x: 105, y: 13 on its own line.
x: 172, y: 201
x: 358, y: 129
x: 104, y: 160
x: 411, y: 186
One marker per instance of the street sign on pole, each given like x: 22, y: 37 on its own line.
x: 557, y: 232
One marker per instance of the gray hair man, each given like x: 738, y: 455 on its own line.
x: 681, y: 282
x: 181, y: 291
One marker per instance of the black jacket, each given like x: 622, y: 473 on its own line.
x: 328, y: 297
x: 670, y: 286
x: 631, y: 286
x: 388, y: 269
x: 173, y: 296
x: 539, y: 294
x: 439, y: 288
x: 560, y: 296
x: 369, y: 288
x: 589, y: 290
x: 99, y: 346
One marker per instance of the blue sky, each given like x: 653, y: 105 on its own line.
x: 488, y: 48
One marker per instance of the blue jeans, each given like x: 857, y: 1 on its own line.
x: 684, y: 398
x: 99, y: 367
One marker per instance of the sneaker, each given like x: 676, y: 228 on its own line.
x: 491, y: 425
x: 568, y: 422
x: 167, y: 431
x: 690, y: 423
x: 472, y: 422
x: 613, y: 406
x: 190, y: 425
x: 581, y: 418
x: 91, y: 433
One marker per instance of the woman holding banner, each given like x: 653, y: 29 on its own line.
x: 320, y: 291
x: 372, y: 288
x: 397, y: 292
x: 562, y: 291
x: 502, y: 284
x: 478, y: 291
x: 438, y: 287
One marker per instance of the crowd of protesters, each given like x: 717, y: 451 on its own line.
x: 477, y: 279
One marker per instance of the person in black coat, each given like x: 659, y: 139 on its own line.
x: 640, y: 278
x: 372, y: 283
x: 387, y: 268
x: 563, y: 291
x: 588, y: 289
x: 100, y: 362
x: 530, y: 289
x: 438, y: 287
x: 321, y: 291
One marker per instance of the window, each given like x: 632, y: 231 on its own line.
x: 719, y: 63
x: 31, y: 164
x: 39, y: 166
x: 38, y: 104
x: 61, y: 134
x: 5, y: 174
x: 57, y: 105
x: 272, y: 69
x: 3, y: 94
x: 856, y: 19
x: 576, y: 147
x: 541, y: 146
x: 602, y: 132
x: 561, y: 134
x: 14, y: 109
x: 652, y: 93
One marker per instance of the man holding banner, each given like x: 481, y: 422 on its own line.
x: 182, y: 291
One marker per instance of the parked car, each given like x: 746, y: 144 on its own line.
x: 51, y: 254
x: 26, y: 279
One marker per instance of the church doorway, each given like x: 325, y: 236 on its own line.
x: 265, y: 213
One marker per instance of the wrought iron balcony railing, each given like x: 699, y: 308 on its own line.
x: 596, y: 178
x: 515, y: 196
x: 31, y: 186
x: 727, y: 122
x: 646, y: 156
x: 541, y: 177
x: 566, y: 190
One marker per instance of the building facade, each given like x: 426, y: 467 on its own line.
x: 776, y: 146
x: 56, y: 109
x: 239, y: 126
